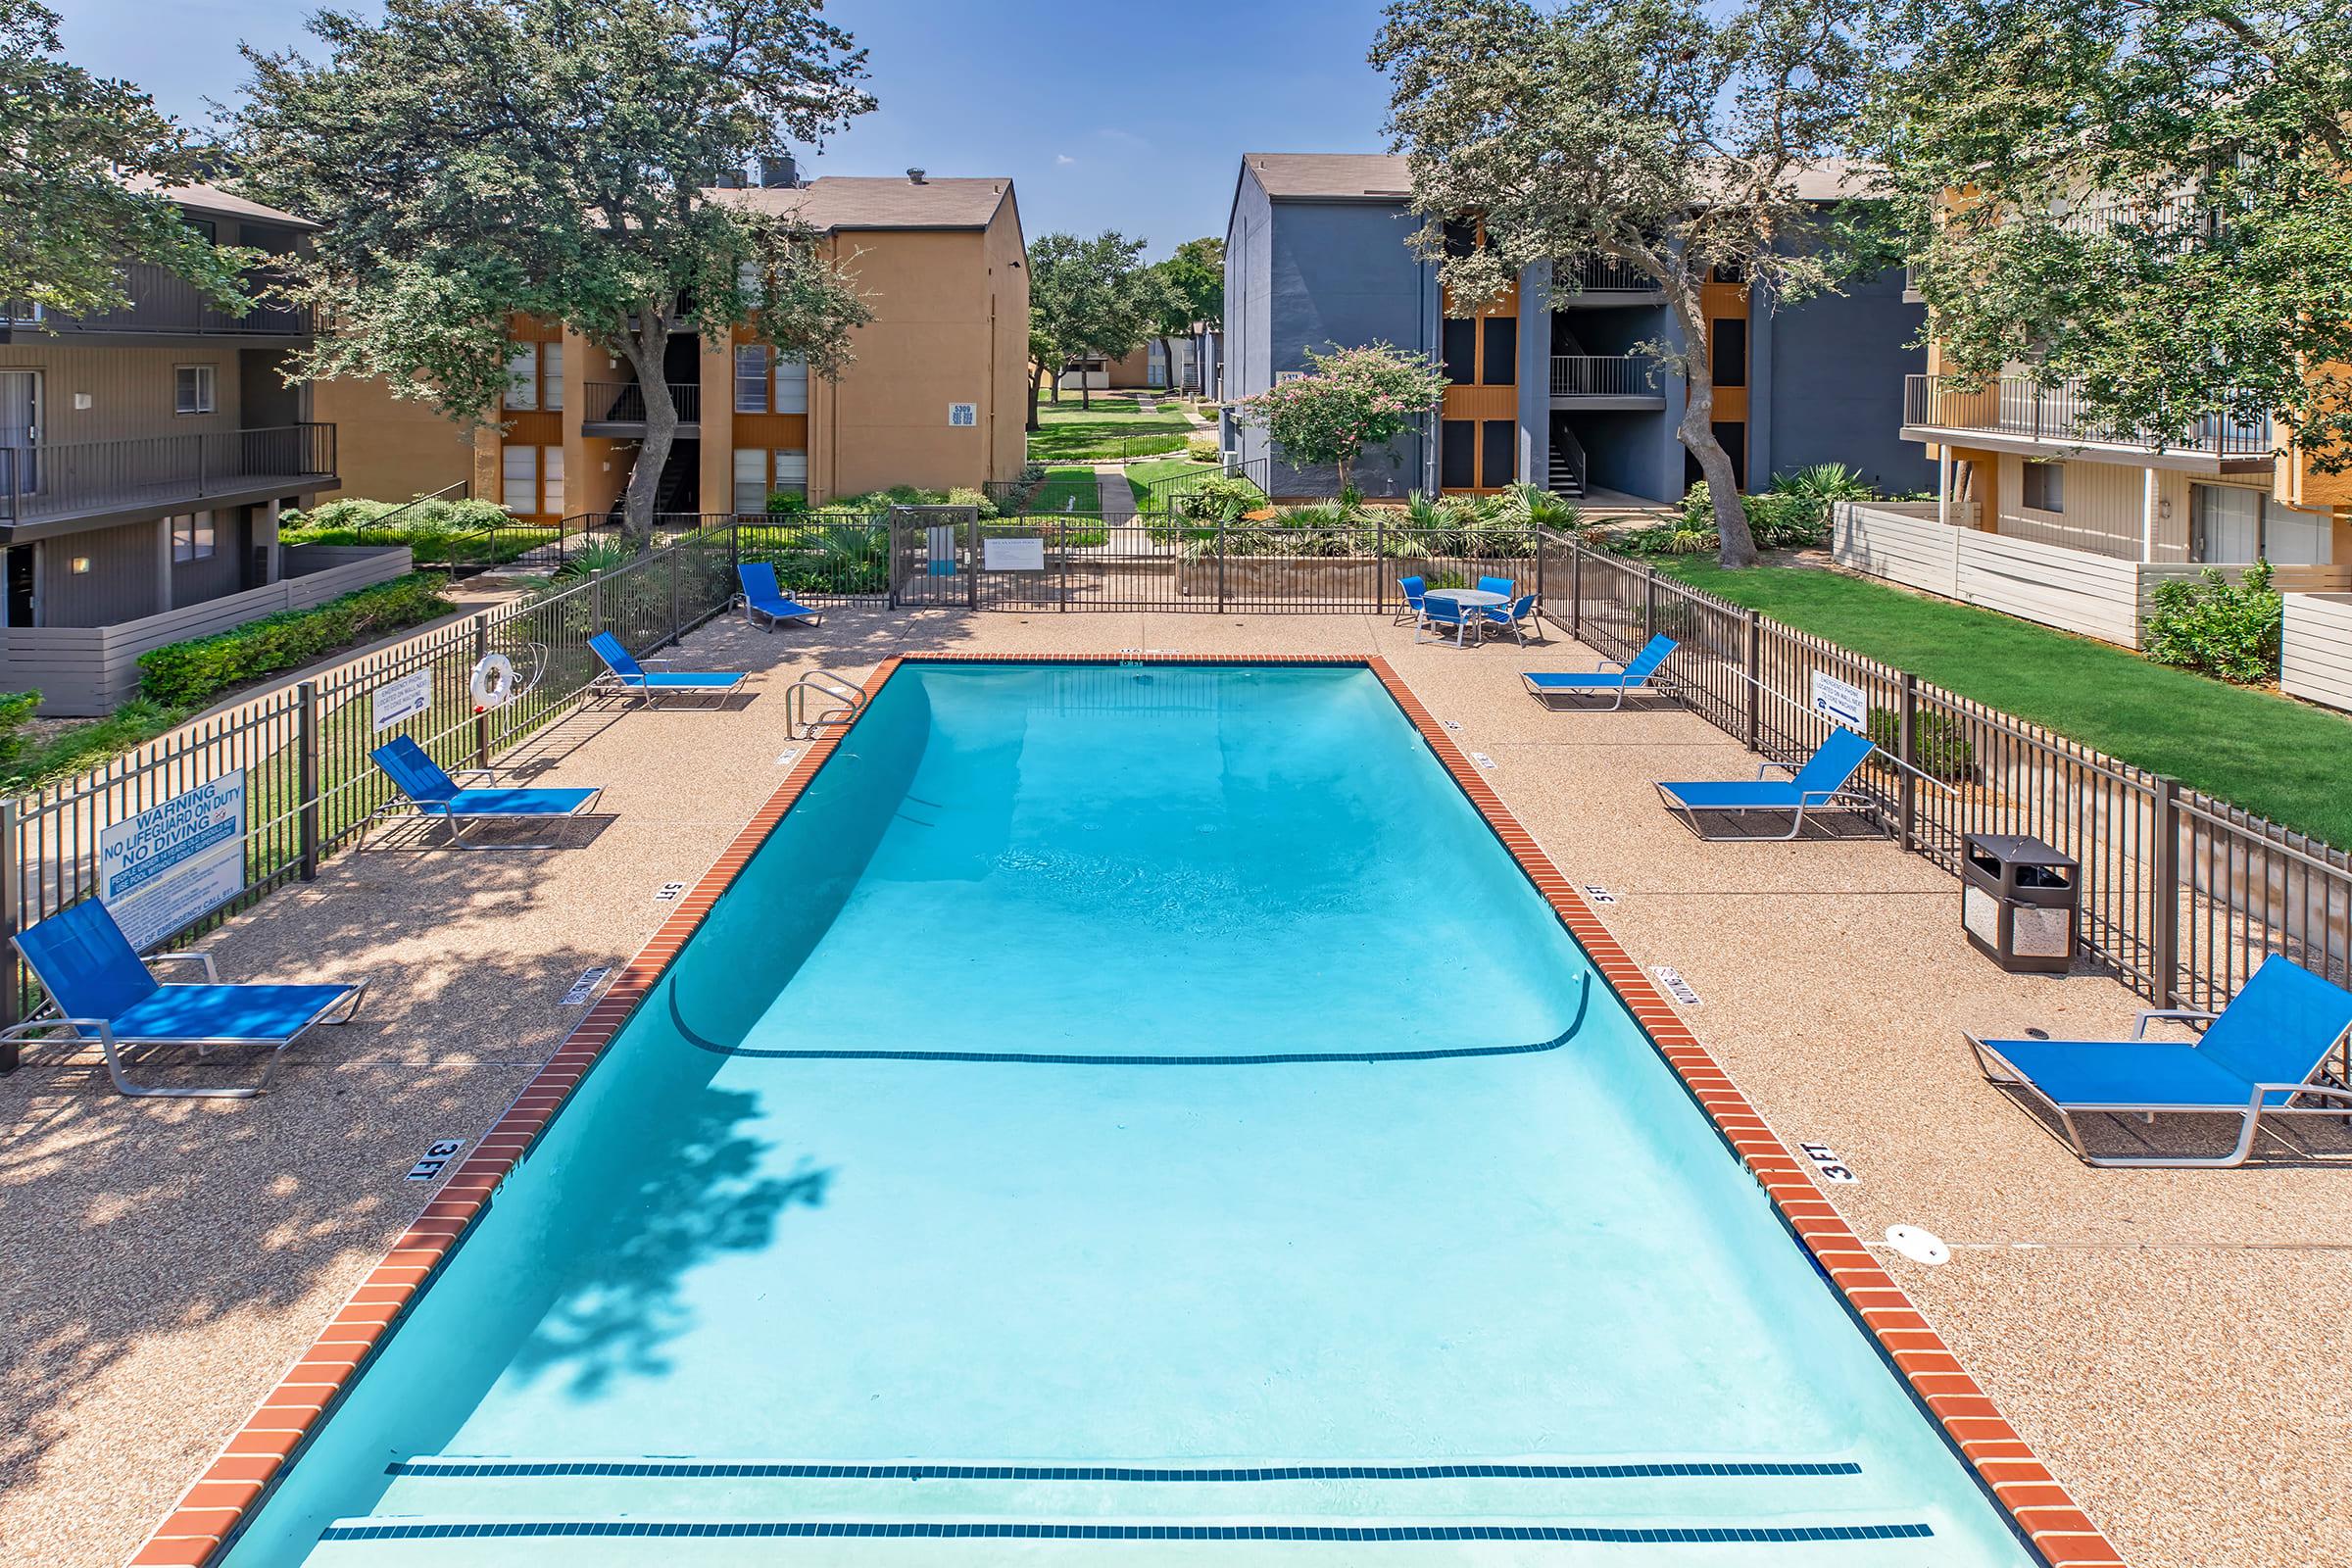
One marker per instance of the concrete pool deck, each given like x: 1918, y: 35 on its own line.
x: 2169, y: 1343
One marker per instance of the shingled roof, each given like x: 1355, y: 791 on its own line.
x: 839, y: 201
x: 1377, y: 176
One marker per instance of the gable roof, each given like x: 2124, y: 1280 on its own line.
x: 836, y: 202
x: 1331, y: 176
x: 212, y: 199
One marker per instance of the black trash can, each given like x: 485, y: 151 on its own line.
x: 2019, y: 901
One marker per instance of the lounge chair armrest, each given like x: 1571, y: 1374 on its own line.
x: 200, y: 956
x: 43, y: 1022
x: 2326, y: 1090
x: 2139, y: 1026
x: 487, y: 775
x: 1763, y: 769
x: 651, y: 663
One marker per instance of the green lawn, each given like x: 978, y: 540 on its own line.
x: 1111, y: 428
x: 1069, y: 488
x: 2255, y: 749
x: 1140, y: 475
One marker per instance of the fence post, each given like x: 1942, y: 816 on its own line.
x: 481, y: 720
x: 2164, y: 895
x: 891, y: 546
x: 1380, y: 563
x: 596, y: 600
x: 677, y: 624
x: 1575, y: 590
x: 1755, y: 680
x: 1220, y: 564
x: 307, y: 780
x: 1649, y: 601
x: 10, y: 888
x: 1906, y: 734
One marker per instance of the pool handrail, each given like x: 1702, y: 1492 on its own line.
x: 2267, y: 1049
x: 98, y: 988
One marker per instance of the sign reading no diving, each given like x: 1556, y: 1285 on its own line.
x: 168, y: 865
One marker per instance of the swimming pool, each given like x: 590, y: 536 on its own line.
x: 1137, y: 1105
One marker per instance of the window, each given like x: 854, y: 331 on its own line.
x: 2045, y: 487
x: 551, y: 471
x: 751, y: 382
x: 2293, y: 537
x: 2229, y: 524
x: 792, y: 386
x: 1496, y: 452
x: 1503, y: 351
x: 523, y: 375
x: 1731, y: 437
x: 1729, y: 336
x: 192, y: 389
x: 1459, y: 346
x: 1458, y: 455
x: 551, y: 377
x: 193, y: 537
x: 1461, y: 237
x: 761, y: 474
x: 522, y: 479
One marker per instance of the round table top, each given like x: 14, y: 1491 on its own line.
x: 1474, y: 598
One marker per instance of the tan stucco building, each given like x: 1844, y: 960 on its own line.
x: 935, y: 397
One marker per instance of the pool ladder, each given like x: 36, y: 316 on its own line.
x: 820, y: 686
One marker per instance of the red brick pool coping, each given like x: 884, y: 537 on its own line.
x: 212, y: 1508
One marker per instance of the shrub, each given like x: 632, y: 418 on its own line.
x: 1675, y: 539
x: 784, y: 502
x: 424, y: 516
x: 1779, y: 519
x: 186, y: 673
x: 1220, y: 498
x: 1939, y: 745
x: 78, y: 747
x: 2218, y: 627
x: 16, y: 710
x: 1202, y: 445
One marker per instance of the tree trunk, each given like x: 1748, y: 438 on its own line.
x: 646, y: 353
x: 1053, y: 383
x: 1738, y: 547
x: 1032, y: 427
x: 1085, y: 390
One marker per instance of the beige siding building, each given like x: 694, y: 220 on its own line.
x: 933, y: 398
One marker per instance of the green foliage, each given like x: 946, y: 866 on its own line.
x: 1350, y: 399
x: 1093, y: 296
x: 16, y: 710
x: 1194, y: 283
x: 2157, y: 206
x: 594, y: 556
x: 1202, y: 445
x: 1939, y: 744
x: 187, y: 673
x: 908, y: 495
x: 472, y: 160
x: 1827, y: 483
x: 786, y: 503
x: 74, y: 187
x: 1777, y: 519
x: 2219, y: 627
x: 78, y: 748
x: 820, y: 557
x: 1681, y: 538
x: 432, y: 517
x: 1223, y: 496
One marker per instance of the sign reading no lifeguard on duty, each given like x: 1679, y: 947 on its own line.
x: 173, y: 862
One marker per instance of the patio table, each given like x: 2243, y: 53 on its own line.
x: 1470, y: 599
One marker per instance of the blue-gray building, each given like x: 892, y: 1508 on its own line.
x: 1545, y: 386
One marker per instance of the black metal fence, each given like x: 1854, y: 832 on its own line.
x: 1167, y: 494
x: 2184, y: 894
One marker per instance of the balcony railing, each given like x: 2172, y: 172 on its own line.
x: 1602, y: 375
x: 1601, y: 276
x: 2017, y: 406
x: 624, y: 402
x: 165, y: 303
x: 87, y: 477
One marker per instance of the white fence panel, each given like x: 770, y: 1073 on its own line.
x: 1917, y: 552
x: 2315, y: 655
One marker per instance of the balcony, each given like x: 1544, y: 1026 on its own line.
x: 1605, y: 381
x: 162, y: 304
x: 2017, y: 414
x: 94, y: 482
x: 1599, y: 282
x: 617, y: 408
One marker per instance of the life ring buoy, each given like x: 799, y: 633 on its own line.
x: 493, y: 682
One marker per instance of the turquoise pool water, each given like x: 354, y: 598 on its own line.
x: 1130, y: 1115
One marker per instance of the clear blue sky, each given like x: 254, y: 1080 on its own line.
x: 1106, y: 113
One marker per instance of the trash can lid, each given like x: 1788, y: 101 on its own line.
x: 2016, y: 848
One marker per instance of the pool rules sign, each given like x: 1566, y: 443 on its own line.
x: 174, y: 862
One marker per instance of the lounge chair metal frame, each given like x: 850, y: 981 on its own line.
x: 44, y: 1024
x: 406, y: 805
x: 1617, y: 693
x: 1999, y: 1072
x: 753, y: 608
x: 612, y: 682
x: 1816, y: 802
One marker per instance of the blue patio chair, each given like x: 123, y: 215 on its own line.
x: 1413, y: 588
x: 1817, y: 787
x: 623, y: 676
x: 1610, y: 682
x: 1497, y: 585
x: 1516, y: 616
x: 1440, y: 612
x: 764, y: 599
x: 2269, y: 1048
x: 100, y: 989
x: 429, y: 791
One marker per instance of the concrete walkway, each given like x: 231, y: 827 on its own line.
x: 2173, y: 1343
x: 1113, y: 494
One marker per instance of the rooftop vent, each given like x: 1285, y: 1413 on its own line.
x: 915, y: 177
x: 779, y: 173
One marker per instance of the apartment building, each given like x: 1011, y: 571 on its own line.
x: 1547, y: 385
x: 2029, y: 460
x: 936, y: 396
x: 145, y: 453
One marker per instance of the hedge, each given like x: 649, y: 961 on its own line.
x: 181, y: 674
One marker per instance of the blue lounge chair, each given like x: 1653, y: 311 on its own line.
x: 762, y: 598
x: 433, y: 792
x: 1413, y: 588
x: 1440, y: 612
x: 1614, y: 683
x: 1817, y: 787
x: 623, y: 676
x: 99, y: 989
x: 1517, y: 615
x: 1496, y: 585
x: 2269, y: 1048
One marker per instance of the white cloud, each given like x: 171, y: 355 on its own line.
x: 1064, y: 160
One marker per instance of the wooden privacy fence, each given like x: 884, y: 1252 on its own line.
x: 2184, y: 894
